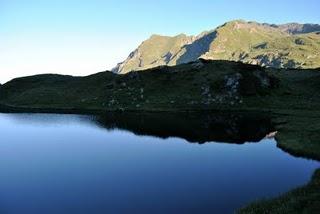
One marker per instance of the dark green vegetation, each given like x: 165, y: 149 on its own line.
x: 289, y: 96
x: 200, y: 85
x: 279, y: 46
x: 299, y: 134
x: 56, y: 91
x: 303, y: 200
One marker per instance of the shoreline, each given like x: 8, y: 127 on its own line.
x: 280, y: 112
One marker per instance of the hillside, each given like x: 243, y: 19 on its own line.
x: 210, y: 85
x: 280, y: 46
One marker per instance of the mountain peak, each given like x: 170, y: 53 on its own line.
x: 154, y: 36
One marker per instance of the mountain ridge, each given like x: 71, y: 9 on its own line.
x: 290, y: 45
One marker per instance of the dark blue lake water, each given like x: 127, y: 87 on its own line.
x: 74, y: 164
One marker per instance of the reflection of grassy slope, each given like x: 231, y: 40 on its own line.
x: 301, y: 200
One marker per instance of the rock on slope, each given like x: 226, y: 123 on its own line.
x: 282, y: 46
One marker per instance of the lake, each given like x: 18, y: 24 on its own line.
x: 131, y: 163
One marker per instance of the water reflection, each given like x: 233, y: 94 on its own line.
x: 193, y: 127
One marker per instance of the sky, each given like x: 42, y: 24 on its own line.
x: 78, y: 37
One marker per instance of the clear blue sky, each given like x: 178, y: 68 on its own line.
x: 83, y: 37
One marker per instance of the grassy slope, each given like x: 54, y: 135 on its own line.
x: 167, y: 88
x: 239, y: 36
x: 299, y: 134
x: 153, y: 52
x: 256, y: 44
x: 56, y: 91
x: 303, y: 200
x: 191, y: 86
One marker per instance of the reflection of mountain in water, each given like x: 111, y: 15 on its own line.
x: 194, y: 127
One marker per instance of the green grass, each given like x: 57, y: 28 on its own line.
x: 56, y: 91
x: 154, y: 52
x: 299, y: 134
x: 257, y: 44
x: 303, y: 200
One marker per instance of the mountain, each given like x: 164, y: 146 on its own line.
x: 281, y: 46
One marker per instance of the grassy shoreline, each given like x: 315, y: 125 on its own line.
x: 302, y: 200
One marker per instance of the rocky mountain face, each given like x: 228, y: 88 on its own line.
x: 281, y: 46
x: 295, y: 28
